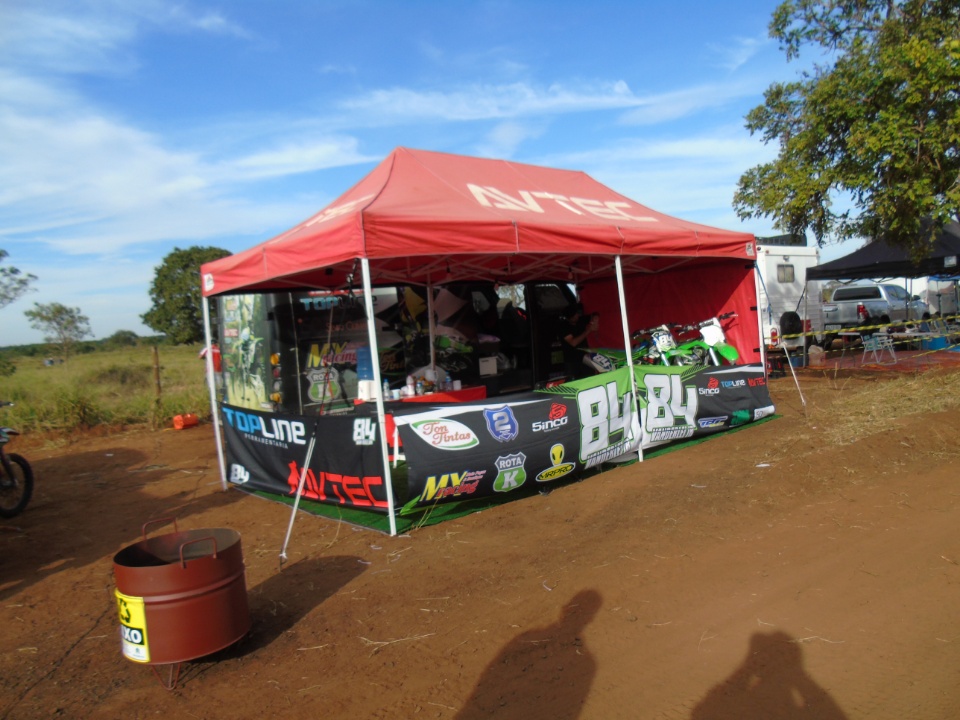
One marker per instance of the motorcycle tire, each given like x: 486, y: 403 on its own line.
x: 790, y: 323
x: 15, y: 492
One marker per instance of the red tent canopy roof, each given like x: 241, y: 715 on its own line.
x: 425, y: 217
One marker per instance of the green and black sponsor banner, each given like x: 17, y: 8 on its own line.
x: 522, y: 442
x: 678, y: 403
x: 266, y: 451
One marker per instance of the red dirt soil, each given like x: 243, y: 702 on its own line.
x: 763, y: 574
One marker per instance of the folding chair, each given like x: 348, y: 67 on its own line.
x: 946, y: 330
x: 877, y: 345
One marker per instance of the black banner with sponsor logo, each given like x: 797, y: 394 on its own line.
x: 469, y: 450
x: 485, y: 449
x: 266, y: 451
x: 678, y: 403
x: 497, y: 447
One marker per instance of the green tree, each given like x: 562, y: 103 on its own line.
x: 122, y: 338
x: 13, y: 283
x: 63, y: 326
x: 870, y: 139
x: 175, y: 292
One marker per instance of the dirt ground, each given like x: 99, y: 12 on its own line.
x: 763, y: 574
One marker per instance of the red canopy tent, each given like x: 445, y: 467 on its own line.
x: 428, y: 218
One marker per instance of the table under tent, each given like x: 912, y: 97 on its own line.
x: 459, y: 269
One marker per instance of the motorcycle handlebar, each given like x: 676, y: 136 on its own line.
x: 725, y: 316
x: 680, y: 327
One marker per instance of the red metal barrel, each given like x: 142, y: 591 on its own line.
x: 181, y: 596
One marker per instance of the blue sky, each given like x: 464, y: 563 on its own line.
x: 130, y: 127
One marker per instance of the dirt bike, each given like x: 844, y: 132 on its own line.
x: 711, y: 348
x: 659, y: 346
x: 16, y: 476
x: 653, y: 346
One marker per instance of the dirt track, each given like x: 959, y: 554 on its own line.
x: 763, y: 574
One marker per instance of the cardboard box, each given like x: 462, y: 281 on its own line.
x: 488, y: 366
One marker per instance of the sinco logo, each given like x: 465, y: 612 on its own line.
x: 712, y: 388
x: 548, y: 425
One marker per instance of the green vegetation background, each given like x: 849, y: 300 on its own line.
x: 110, y: 387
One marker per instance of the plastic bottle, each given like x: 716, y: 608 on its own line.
x: 386, y: 389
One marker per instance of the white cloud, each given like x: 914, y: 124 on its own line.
x: 661, y: 108
x: 84, y: 182
x: 486, y: 102
x: 84, y: 36
x: 210, y: 22
x: 737, y: 52
x: 56, y: 37
x: 504, y: 139
x: 693, y: 178
x: 305, y: 155
x: 517, y: 100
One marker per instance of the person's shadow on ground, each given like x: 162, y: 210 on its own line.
x: 546, y: 672
x: 770, y: 684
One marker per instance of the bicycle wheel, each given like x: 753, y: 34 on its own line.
x: 15, y: 491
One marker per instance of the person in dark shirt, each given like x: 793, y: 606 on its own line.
x: 573, y: 339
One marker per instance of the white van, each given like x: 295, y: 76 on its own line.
x: 781, y: 271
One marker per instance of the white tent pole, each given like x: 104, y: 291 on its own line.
x: 212, y: 388
x: 628, y: 347
x: 378, y: 384
x: 757, y: 279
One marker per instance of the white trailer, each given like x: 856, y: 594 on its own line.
x: 781, y: 271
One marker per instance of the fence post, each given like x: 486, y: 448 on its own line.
x: 157, y: 403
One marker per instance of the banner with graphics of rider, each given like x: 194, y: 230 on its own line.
x: 535, y: 439
x: 244, y: 331
x: 266, y: 451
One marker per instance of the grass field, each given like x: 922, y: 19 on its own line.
x: 111, y: 388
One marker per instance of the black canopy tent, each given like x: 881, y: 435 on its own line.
x: 880, y: 260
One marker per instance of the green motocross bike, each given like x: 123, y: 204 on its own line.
x: 659, y: 346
